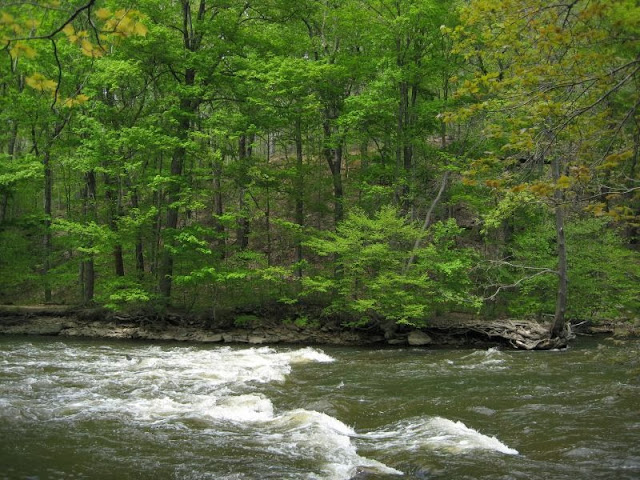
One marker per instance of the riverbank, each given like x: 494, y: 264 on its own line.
x: 451, y: 331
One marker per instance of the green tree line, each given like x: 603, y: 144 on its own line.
x: 387, y: 160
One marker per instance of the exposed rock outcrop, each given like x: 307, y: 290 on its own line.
x: 457, y: 331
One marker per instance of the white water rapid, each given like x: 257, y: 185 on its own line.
x: 217, y: 392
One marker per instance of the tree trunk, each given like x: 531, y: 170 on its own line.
x: 88, y: 277
x: 48, y: 191
x: 333, y: 156
x: 242, y: 223
x: 338, y: 192
x: 11, y: 151
x: 187, y: 108
x: 139, y: 248
x: 114, y: 202
x: 408, y: 96
x: 401, y: 189
x: 173, y: 192
x: 218, y: 208
x: 558, y: 327
x: 299, y: 194
x: 427, y: 221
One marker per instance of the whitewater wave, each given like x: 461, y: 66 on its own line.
x: 435, y: 433
x: 216, y: 389
x: 490, y: 359
x: 219, y: 391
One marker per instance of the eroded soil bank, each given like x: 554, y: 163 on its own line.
x: 453, y: 331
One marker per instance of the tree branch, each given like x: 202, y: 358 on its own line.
x: 427, y: 221
x: 514, y: 285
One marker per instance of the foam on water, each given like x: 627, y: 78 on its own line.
x: 317, y: 435
x: 219, y: 388
x: 308, y: 355
x: 490, y: 359
x: 436, y: 433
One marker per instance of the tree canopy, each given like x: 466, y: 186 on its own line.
x: 385, y: 161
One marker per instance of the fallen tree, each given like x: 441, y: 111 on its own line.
x: 519, y: 334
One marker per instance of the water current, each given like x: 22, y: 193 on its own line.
x: 82, y: 409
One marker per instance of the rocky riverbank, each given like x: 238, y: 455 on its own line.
x: 92, y: 323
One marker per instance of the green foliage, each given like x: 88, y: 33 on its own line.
x: 87, y: 238
x: 18, y: 263
x: 217, y: 158
x: 246, y: 321
x: 372, y: 281
x: 603, y: 273
x: 121, y: 294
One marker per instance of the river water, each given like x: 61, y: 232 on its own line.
x: 76, y: 409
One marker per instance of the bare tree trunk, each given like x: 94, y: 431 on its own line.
x: 88, y: 276
x: 242, y: 229
x: 333, y: 156
x: 46, y: 241
x: 299, y: 194
x: 218, y: 208
x: 139, y: 248
x: 115, y: 211
x: 166, y: 258
x: 427, y: 221
x: 558, y: 327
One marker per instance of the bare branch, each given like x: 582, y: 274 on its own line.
x: 514, y: 285
x: 427, y: 220
x: 70, y: 19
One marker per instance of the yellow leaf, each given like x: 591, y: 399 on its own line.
x: 77, y: 100
x: 140, y: 29
x: 103, y: 13
x: 90, y: 50
x: 125, y: 26
x: 6, y: 18
x: 541, y: 189
x: 563, y: 182
x: 20, y: 49
x: 39, y: 82
x: 597, y: 209
x: 68, y: 29
x: 469, y: 181
x: 32, y: 23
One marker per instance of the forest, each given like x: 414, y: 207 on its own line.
x: 372, y: 160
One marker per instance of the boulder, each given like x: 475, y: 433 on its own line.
x: 233, y: 337
x: 418, y: 339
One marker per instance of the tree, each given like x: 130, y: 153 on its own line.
x: 375, y: 285
x: 557, y: 101
x: 410, y: 52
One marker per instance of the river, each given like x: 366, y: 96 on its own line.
x: 88, y: 409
